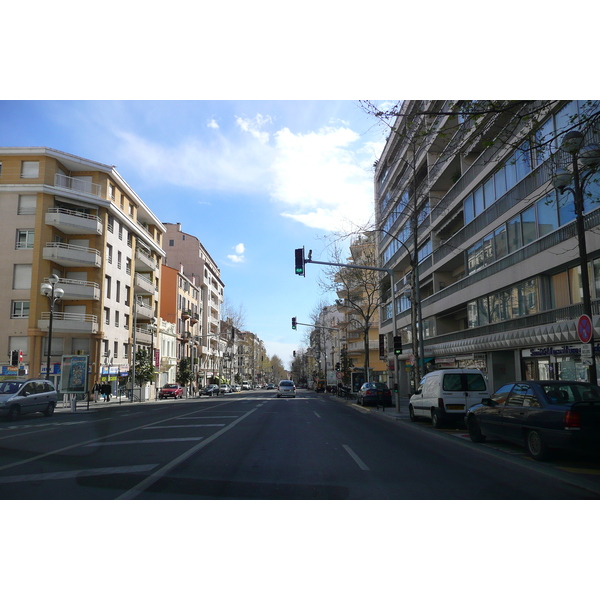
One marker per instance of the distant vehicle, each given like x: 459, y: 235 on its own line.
x: 446, y: 395
x: 236, y: 388
x: 374, y: 393
x: 246, y: 385
x: 270, y: 386
x: 212, y: 389
x: 320, y: 385
x: 540, y: 415
x: 22, y: 396
x: 171, y: 390
x: 225, y: 388
x: 286, y: 387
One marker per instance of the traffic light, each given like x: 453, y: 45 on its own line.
x: 14, y: 358
x: 397, y: 344
x: 294, y: 354
x: 337, y: 366
x: 293, y: 322
x: 299, y: 255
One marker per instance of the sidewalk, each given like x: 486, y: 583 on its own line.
x: 388, y: 412
x: 82, y: 406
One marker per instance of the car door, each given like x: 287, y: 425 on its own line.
x: 521, y: 409
x: 489, y: 415
x: 28, y: 398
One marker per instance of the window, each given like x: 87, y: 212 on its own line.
x: 24, y: 239
x: 513, y: 230
x: 21, y: 277
x: 20, y: 309
x: 27, y: 203
x: 116, y: 318
x: 171, y: 242
x: 547, y: 214
x: 111, y: 191
x: 107, y: 285
x: 489, y: 192
x: 127, y: 294
x: 115, y: 349
x: 119, y: 259
x: 109, y: 254
x: 111, y: 223
x: 30, y: 169
x: 107, y: 316
x: 528, y: 228
x: 118, y: 291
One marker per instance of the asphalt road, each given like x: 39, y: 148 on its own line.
x: 252, y: 445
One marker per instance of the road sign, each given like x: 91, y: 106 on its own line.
x: 339, y: 374
x: 584, y: 328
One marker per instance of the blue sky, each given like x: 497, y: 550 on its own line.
x: 253, y: 180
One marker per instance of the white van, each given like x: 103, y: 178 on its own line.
x: 447, y: 395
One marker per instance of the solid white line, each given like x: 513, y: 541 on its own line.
x: 146, y: 483
x: 215, y: 417
x: 191, y: 425
x: 185, y: 439
x: 357, y: 460
x: 73, y: 474
x: 316, y: 413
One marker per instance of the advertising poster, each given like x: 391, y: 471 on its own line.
x: 74, y: 371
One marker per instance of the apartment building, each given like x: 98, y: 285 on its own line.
x: 359, y: 302
x: 468, y: 206
x: 80, y: 221
x: 180, y: 306
x: 183, y: 249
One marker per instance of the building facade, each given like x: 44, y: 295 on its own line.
x: 183, y: 249
x: 77, y: 220
x: 483, y: 247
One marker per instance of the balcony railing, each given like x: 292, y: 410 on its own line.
x: 69, y: 322
x: 76, y: 289
x: 73, y: 222
x: 143, y: 285
x: 77, y: 185
x: 72, y: 255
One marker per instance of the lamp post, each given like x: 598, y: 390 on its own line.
x: 53, y: 294
x: 572, y: 143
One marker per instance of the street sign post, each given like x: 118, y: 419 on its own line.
x: 584, y: 329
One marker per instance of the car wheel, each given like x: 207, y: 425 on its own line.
x: 411, y: 414
x: 475, y: 431
x: 49, y: 410
x: 14, y: 412
x: 435, y: 420
x: 536, y: 446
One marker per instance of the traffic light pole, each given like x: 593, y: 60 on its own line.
x: 390, y: 272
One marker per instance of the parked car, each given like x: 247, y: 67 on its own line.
x: 212, y: 389
x: 225, y: 388
x: 22, y: 396
x: 171, y: 390
x: 374, y: 393
x: 286, y: 387
x: 270, y: 386
x: 236, y: 388
x: 540, y: 415
x: 446, y: 395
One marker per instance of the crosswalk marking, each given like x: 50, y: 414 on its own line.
x: 76, y: 473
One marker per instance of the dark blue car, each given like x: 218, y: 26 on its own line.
x: 541, y: 415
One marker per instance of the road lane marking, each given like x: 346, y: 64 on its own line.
x: 190, y: 425
x: 316, y: 413
x: 215, y: 417
x: 151, y: 441
x: 357, y: 460
x: 76, y: 473
x: 146, y: 483
x: 81, y: 444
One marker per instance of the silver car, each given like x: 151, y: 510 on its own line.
x: 286, y: 387
x: 20, y: 396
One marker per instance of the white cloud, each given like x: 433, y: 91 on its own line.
x: 212, y: 124
x: 321, y: 178
x: 238, y: 257
x: 254, y: 126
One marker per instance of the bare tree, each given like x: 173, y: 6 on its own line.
x: 360, y: 290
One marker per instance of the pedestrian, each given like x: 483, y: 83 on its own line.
x: 96, y: 390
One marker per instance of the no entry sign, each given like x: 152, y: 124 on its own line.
x: 584, y: 329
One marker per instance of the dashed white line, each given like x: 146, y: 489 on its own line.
x: 151, y: 441
x: 190, y: 425
x: 316, y: 413
x: 357, y: 460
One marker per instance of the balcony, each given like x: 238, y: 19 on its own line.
x: 143, y: 336
x: 143, y: 285
x: 144, y: 262
x: 78, y: 290
x: 69, y: 323
x: 77, y: 185
x: 72, y: 255
x: 186, y: 314
x: 144, y: 311
x: 73, y: 222
x: 194, y: 318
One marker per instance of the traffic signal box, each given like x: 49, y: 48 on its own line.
x: 293, y: 322
x: 397, y: 344
x: 299, y: 257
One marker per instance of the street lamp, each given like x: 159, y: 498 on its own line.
x: 572, y: 143
x: 53, y: 294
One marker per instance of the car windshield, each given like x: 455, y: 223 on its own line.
x: 379, y: 386
x: 10, y: 387
x: 567, y: 393
x: 170, y: 386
